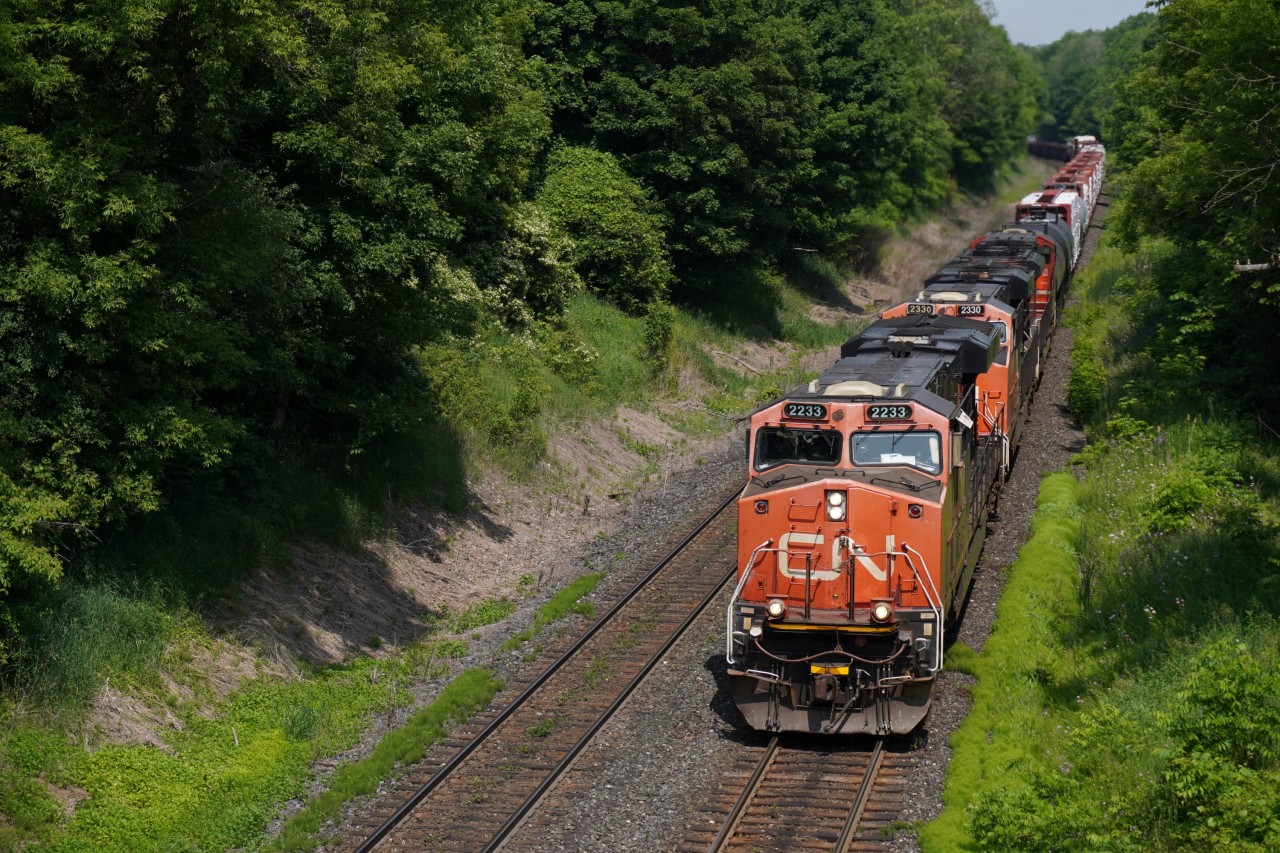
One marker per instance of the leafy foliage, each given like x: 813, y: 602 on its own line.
x: 618, y: 241
x: 1144, y: 703
x: 975, y: 94
x: 762, y: 124
x: 1082, y: 71
x: 1196, y: 128
x: 223, y: 229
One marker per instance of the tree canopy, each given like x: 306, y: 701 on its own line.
x: 1081, y: 71
x: 233, y: 232
x: 1197, y: 132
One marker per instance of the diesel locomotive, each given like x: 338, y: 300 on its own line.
x: 870, y: 488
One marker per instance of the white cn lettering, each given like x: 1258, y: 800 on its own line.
x: 812, y: 539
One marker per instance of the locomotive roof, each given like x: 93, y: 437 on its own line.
x: 997, y: 254
x: 982, y: 293
x: 1007, y: 244
x: 884, y: 376
x: 1016, y: 281
x: 969, y: 345
x: 1048, y: 227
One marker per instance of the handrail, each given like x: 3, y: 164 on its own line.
x: 935, y: 600
x: 733, y: 601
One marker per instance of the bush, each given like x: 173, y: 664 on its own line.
x: 659, y: 329
x: 620, y: 247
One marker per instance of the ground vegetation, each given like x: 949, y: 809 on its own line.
x: 1134, y: 706
x: 1127, y: 697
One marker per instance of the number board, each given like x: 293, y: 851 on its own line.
x: 890, y: 412
x: 919, y: 308
x: 971, y: 310
x: 805, y: 411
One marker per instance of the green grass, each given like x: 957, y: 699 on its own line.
x: 480, y: 614
x: 566, y: 601
x: 465, y: 695
x: 90, y: 633
x: 216, y: 783
x: 992, y: 743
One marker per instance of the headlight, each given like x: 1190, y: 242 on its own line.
x: 835, y: 506
x: 775, y: 608
x: 881, y: 612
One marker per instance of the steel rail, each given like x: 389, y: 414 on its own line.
x: 461, y: 756
x: 560, y: 769
x: 744, y: 799
x: 864, y: 795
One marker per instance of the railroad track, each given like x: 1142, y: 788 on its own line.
x: 477, y: 798
x: 809, y: 795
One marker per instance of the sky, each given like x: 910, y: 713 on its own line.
x: 1035, y: 22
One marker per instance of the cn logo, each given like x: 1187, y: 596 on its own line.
x: 808, y: 552
x: 811, y: 557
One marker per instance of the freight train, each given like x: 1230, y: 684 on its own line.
x: 871, y: 487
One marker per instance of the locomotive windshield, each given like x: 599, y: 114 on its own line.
x: 779, y: 445
x: 921, y: 450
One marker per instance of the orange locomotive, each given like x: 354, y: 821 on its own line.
x: 870, y: 488
x: 1000, y: 290
x: 860, y: 529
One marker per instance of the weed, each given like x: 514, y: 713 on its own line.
x: 482, y: 613
x: 599, y: 670
x: 542, y: 728
x: 466, y: 694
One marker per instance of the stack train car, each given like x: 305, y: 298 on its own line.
x: 870, y: 488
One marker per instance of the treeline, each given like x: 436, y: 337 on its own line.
x: 229, y: 232
x: 1081, y: 71
x: 1195, y: 132
x: 1187, y: 101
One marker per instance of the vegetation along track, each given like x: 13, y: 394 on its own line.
x: 479, y: 796
x: 836, y: 795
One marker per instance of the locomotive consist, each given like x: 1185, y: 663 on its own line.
x: 870, y: 488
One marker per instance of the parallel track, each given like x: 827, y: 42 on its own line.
x: 816, y: 795
x: 478, y: 797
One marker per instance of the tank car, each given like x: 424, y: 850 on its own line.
x: 859, y: 530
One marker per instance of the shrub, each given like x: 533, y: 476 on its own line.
x: 659, y: 328
x: 620, y: 247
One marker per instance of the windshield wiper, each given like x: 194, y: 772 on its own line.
x: 903, y: 481
x: 781, y: 478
